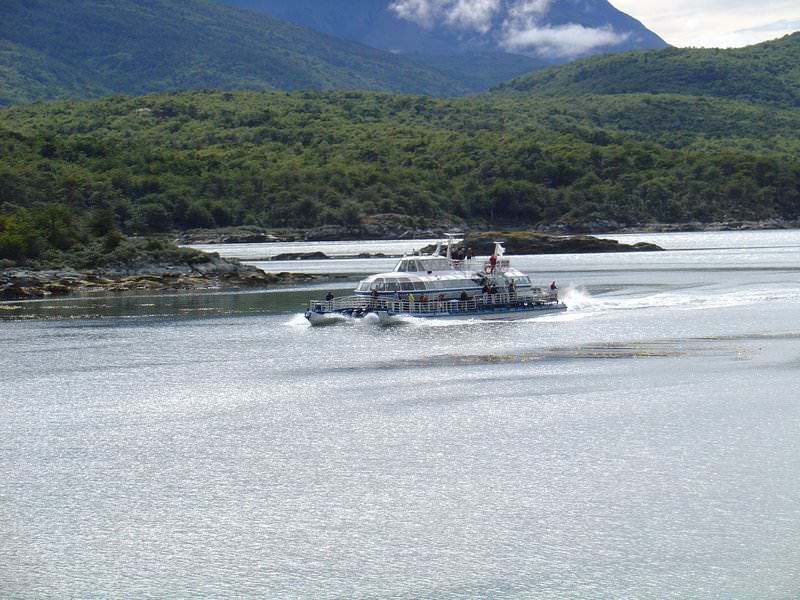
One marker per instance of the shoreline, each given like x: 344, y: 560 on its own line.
x: 215, y: 273
x: 22, y: 283
x: 337, y: 233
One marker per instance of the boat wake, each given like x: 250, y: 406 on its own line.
x: 582, y: 304
x: 579, y: 300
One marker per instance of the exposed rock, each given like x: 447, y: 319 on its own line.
x: 236, y: 235
x: 301, y: 256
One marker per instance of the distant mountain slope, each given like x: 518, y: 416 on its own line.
x: 26, y: 74
x: 767, y: 72
x: 84, y: 48
x: 549, y: 29
x: 518, y: 35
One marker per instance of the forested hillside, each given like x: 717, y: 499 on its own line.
x: 767, y: 72
x: 91, y: 48
x: 203, y: 159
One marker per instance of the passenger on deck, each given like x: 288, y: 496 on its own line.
x: 329, y: 297
x: 553, y: 286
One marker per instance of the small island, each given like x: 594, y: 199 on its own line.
x: 531, y: 242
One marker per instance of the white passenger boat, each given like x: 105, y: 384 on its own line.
x: 442, y: 287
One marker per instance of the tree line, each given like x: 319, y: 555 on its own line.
x: 186, y: 160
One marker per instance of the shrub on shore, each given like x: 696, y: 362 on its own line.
x: 52, y: 236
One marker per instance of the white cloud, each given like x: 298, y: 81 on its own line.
x: 475, y: 15
x: 715, y: 23
x: 529, y: 9
x: 416, y: 11
x: 707, y: 23
x: 561, y: 41
x: 467, y: 15
x: 516, y: 25
x: 782, y: 25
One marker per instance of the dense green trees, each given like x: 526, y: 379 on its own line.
x: 764, y: 73
x: 29, y: 233
x: 201, y: 159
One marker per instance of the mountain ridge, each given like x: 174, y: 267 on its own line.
x: 479, y: 43
x: 90, y: 48
x: 424, y: 26
x: 765, y: 72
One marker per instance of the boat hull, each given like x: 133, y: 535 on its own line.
x: 494, y: 313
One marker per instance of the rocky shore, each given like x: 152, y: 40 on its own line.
x: 186, y: 269
x: 382, y: 230
x: 394, y: 229
x: 238, y: 235
x: 214, y: 273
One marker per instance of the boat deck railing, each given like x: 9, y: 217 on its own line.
x: 474, y: 264
x: 483, y: 302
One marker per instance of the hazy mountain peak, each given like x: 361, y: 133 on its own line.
x: 519, y: 26
x: 546, y: 29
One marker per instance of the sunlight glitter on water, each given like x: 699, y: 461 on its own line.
x: 629, y: 447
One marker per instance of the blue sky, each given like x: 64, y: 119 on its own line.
x: 715, y: 23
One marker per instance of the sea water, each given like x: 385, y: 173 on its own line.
x: 645, y: 443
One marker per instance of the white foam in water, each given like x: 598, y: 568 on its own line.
x: 298, y: 321
x: 580, y: 300
x: 562, y: 317
x: 370, y: 319
x: 427, y: 322
x: 577, y: 299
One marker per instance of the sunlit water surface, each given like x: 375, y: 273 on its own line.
x: 646, y: 443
